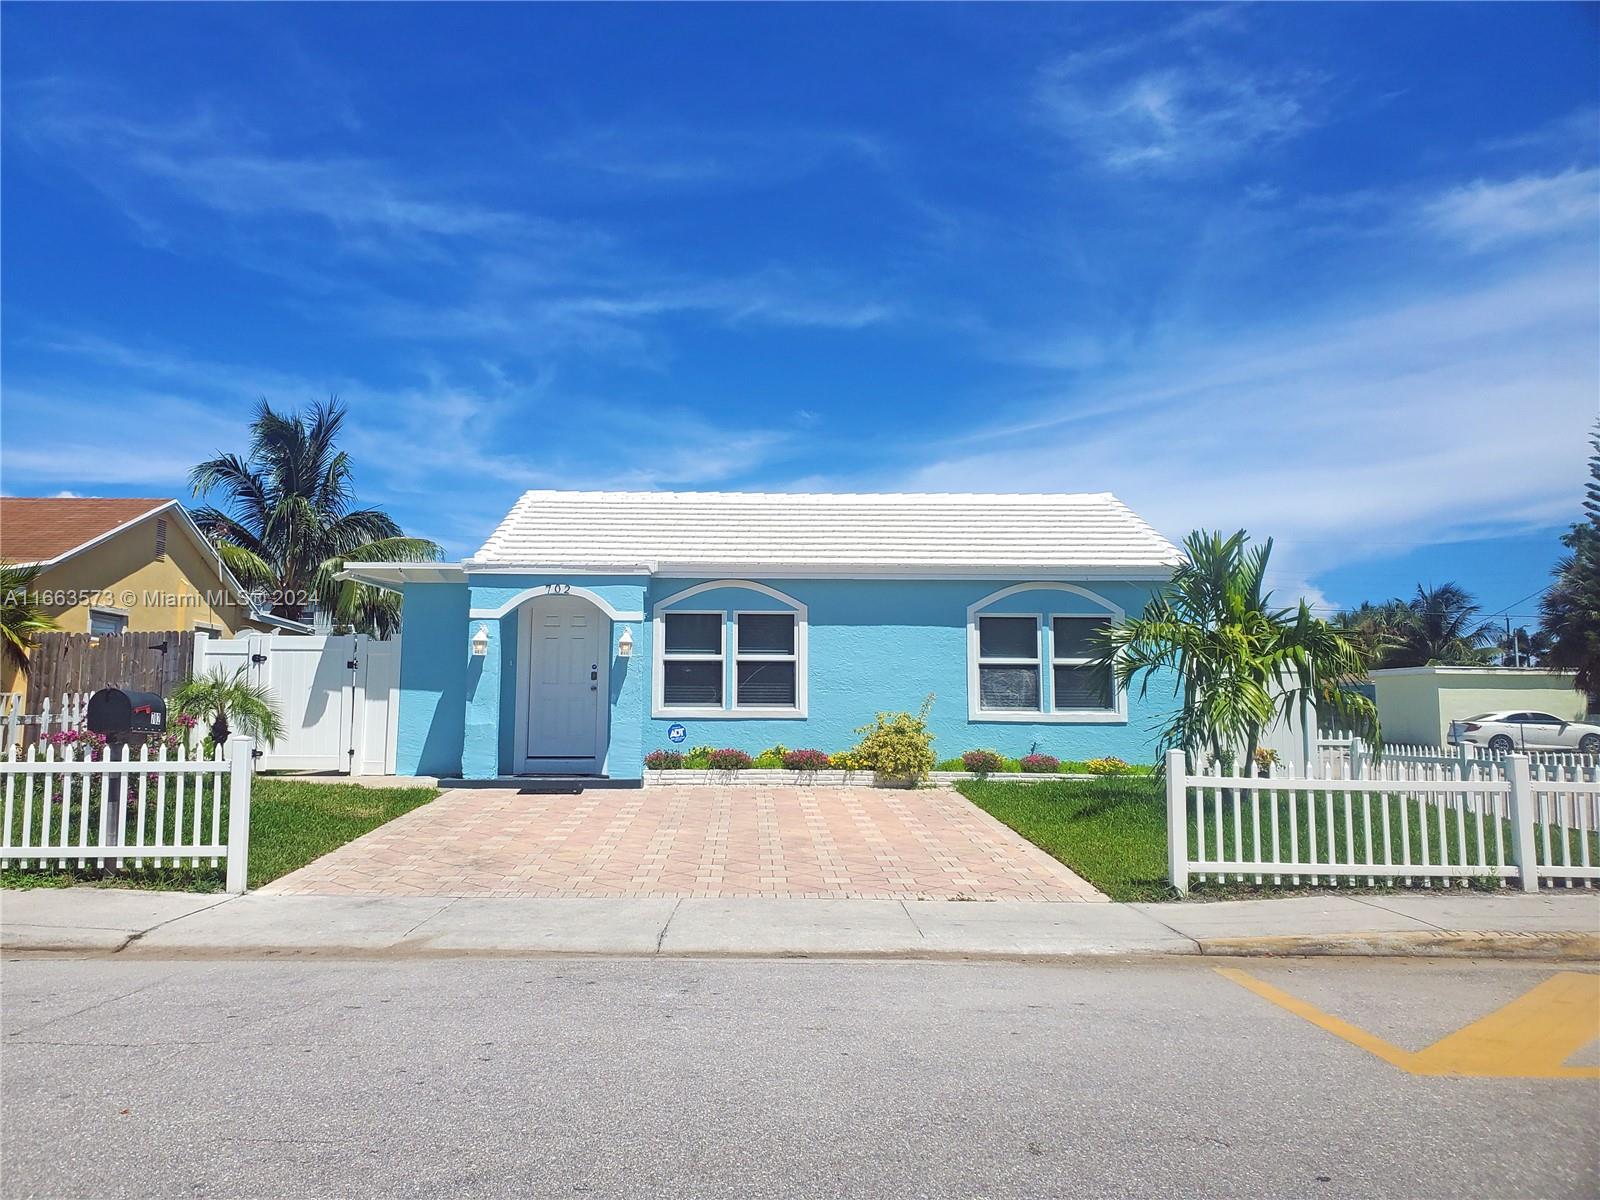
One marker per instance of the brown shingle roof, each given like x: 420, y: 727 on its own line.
x: 37, y: 528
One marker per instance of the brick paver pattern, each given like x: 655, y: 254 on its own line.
x: 833, y: 842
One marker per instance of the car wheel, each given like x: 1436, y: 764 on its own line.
x: 1501, y: 744
x: 1589, y: 743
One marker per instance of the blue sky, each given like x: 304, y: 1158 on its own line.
x: 1330, y: 273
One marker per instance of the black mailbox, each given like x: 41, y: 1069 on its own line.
x: 118, y: 713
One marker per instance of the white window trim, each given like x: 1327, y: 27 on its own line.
x: 728, y: 712
x: 757, y: 710
x: 1002, y: 660
x: 1119, y: 697
x: 662, y: 657
x: 1117, y: 715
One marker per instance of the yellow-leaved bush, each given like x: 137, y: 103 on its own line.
x: 897, y: 746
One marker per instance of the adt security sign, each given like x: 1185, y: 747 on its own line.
x: 676, y: 733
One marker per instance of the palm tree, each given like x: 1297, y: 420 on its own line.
x: 1443, y: 629
x: 1569, y: 613
x: 1241, y: 664
x: 225, y: 700
x: 22, y: 618
x: 1377, y: 631
x: 1522, y: 647
x: 289, y: 522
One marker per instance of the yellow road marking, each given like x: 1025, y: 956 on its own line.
x: 1530, y: 1038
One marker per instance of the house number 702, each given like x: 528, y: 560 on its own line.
x: 557, y: 589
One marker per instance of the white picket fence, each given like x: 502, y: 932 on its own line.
x: 1422, y: 824
x: 1348, y: 754
x: 17, y: 728
x: 128, y: 809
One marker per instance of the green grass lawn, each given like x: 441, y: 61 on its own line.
x: 291, y: 823
x: 1113, y: 832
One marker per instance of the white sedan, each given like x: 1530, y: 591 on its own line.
x: 1507, y: 731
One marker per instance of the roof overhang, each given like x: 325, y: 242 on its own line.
x: 789, y: 569
x: 395, y: 575
x: 258, y: 617
x: 1522, y: 672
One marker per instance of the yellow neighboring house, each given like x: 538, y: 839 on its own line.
x: 117, y: 565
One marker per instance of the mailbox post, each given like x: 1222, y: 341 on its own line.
x: 126, y: 718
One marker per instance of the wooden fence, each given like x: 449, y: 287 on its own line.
x: 63, y: 663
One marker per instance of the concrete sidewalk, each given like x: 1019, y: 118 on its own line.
x: 180, y: 925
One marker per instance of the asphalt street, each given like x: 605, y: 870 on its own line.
x: 598, y: 1078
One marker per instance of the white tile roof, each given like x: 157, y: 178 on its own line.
x: 883, y: 533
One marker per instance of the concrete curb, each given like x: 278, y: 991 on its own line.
x: 1546, y: 945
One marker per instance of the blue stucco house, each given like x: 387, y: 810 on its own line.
x: 593, y: 627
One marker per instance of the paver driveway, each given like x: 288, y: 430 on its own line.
x: 694, y: 841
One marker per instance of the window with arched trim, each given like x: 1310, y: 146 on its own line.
x: 1031, y: 651
x: 730, y: 648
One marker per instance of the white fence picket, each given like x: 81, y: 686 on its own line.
x: 1453, y: 817
x: 86, y: 802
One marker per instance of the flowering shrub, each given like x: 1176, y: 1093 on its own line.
x: 981, y: 762
x: 728, y: 760
x: 80, y: 743
x: 698, y: 757
x: 664, y: 760
x: 771, y: 759
x: 1040, y: 764
x: 844, y: 761
x: 805, y: 760
x: 897, y: 746
x: 1106, y: 766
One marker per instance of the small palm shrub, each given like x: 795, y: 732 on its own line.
x: 981, y: 762
x: 1040, y: 764
x: 729, y: 760
x: 664, y: 760
x: 806, y: 760
x: 229, y: 701
x: 1109, y: 765
x: 897, y: 746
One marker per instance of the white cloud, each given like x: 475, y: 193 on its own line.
x: 1457, y: 415
x: 1487, y: 213
x: 1174, y: 118
x: 449, y: 458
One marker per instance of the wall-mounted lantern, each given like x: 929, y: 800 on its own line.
x: 480, y: 642
x: 625, y: 642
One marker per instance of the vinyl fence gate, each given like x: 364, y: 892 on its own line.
x: 338, y: 695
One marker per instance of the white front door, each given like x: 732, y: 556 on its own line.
x: 567, y: 682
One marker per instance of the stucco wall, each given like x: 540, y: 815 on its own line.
x: 171, y: 593
x: 885, y: 645
x: 434, y: 655
x: 1416, y: 707
x: 122, y: 574
x: 873, y: 646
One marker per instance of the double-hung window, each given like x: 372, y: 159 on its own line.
x: 1077, y: 682
x: 765, y: 661
x: 1008, y: 664
x: 692, y: 660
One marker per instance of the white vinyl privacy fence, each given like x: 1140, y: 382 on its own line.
x: 127, y: 809
x: 338, y: 695
x: 1430, y: 824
